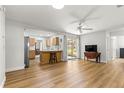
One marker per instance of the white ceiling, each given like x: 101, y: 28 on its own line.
x: 48, y: 18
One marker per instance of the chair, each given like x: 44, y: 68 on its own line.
x: 92, y: 55
x: 53, y: 58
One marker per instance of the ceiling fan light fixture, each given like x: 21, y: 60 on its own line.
x: 58, y: 6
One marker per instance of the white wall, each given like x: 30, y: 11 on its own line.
x: 119, y: 44
x: 108, y: 46
x: 119, y: 40
x: 113, y: 47
x: 14, y: 45
x: 117, y: 33
x: 2, y: 47
x: 95, y: 38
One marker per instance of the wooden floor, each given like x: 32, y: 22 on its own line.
x: 72, y: 74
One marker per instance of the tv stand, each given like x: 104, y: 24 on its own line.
x: 92, y: 55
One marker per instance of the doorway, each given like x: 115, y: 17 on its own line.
x: 32, y: 47
x: 113, y: 47
x: 117, y: 46
x: 72, y: 48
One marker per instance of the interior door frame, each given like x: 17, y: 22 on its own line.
x: 77, y: 47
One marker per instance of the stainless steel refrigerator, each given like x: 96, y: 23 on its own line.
x: 26, y: 52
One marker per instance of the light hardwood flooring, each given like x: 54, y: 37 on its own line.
x: 72, y: 74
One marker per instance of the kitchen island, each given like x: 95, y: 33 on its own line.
x: 45, y: 56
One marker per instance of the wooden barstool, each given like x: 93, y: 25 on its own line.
x: 53, y: 58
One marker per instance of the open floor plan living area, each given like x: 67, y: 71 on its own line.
x: 69, y: 46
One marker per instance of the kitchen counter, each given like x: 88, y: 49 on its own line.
x: 45, y: 56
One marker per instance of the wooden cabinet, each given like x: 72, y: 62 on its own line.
x: 55, y: 41
x: 48, y: 42
x: 32, y: 48
x: 32, y: 54
x: 44, y: 57
x: 59, y: 56
x: 32, y: 41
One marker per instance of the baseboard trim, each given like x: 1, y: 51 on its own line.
x: 14, y: 68
x: 3, y: 82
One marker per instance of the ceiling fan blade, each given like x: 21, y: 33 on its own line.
x: 86, y: 24
x: 119, y: 6
x: 88, y: 19
x: 92, y: 18
x: 75, y: 16
x: 76, y: 21
x: 87, y: 28
x: 85, y: 18
x: 89, y: 13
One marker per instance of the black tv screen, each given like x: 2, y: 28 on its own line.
x: 91, y: 48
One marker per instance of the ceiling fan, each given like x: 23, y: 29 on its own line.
x: 82, y: 25
x: 118, y: 6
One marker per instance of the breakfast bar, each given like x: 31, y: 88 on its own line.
x: 45, y: 56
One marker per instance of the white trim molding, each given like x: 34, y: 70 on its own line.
x: 14, y: 68
x: 2, y: 9
x: 3, y: 82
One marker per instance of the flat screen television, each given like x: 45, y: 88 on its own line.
x: 91, y: 48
